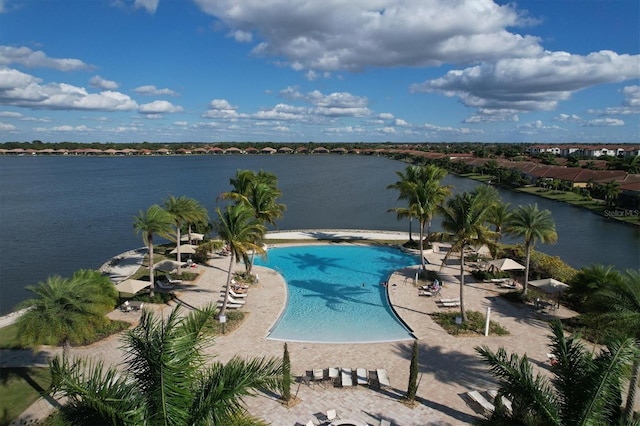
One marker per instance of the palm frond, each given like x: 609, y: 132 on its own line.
x: 92, y: 389
x: 224, y: 385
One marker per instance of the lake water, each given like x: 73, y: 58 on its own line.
x: 61, y: 214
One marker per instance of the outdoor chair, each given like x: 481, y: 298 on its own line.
x: 332, y: 415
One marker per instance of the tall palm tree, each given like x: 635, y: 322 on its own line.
x: 422, y: 189
x: 242, y: 232
x: 260, y: 192
x: 410, y: 175
x: 463, y: 219
x: 66, y: 310
x: 617, y: 308
x: 534, y: 226
x: 166, y: 380
x: 585, y: 390
x: 155, y: 221
x: 184, y: 210
x: 499, y: 215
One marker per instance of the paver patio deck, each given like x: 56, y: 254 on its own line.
x: 449, y: 365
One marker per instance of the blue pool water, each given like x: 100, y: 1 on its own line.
x: 335, y: 293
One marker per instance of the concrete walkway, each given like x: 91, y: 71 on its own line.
x: 449, y: 365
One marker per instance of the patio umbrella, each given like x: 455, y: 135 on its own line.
x: 167, y: 265
x: 129, y: 288
x: 194, y: 237
x: 549, y: 285
x: 505, y: 264
x: 481, y: 251
x: 185, y: 249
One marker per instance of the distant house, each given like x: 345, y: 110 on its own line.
x: 301, y: 150
x: 215, y: 150
x: 163, y: 151
x: 339, y: 151
x: 233, y: 150
x: 268, y: 150
x: 285, y: 150
x: 200, y: 151
x: 320, y: 150
x: 251, y: 150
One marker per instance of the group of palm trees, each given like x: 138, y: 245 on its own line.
x: 167, y: 379
x: 586, y: 389
x: 467, y: 217
x: 241, y: 225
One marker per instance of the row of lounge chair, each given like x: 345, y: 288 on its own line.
x: 346, y: 378
x: 237, y: 295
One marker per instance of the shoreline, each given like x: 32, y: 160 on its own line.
x: 615, y: 218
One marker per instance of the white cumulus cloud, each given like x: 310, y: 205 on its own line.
x: 535, y: 83
x: 604, y: 122
x: 150, y: 90
x: 148, y: 5
x: 38, y: 59
x: 101, y: 83
x: 159, y: 107
x: 24, y: 90
x: 335, y: 35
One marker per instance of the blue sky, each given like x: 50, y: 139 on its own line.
x: 325, y: 71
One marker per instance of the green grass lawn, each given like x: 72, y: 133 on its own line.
x: 473, y: 327
x: 9, y: 337
x: 19, y: 388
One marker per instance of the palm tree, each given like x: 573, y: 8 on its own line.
x: 260, y: 192
x: 585, y: 390
x: 402, y: 186
x: 610, y: 191
x: 238, y: 227
x: 534, y: 226
x: 66, y: 311
x: 155, y: 221
x: 166, y: 380
x: 617, y: 307
x: 590, y: 280
x: 499, y: 214
x: 424, y: 193
x: 184, y: 210
x: 463, y: 219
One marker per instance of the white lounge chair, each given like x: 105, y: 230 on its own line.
x: 334, y: 373
x: 493, y: 394
x: 361, y: 374
x: 429, y: 293
x: 450, y: 300
x: 383, y: 378
x: 171, y: 280
x: 347, y: 379
x: 332, y: 415
x: 450, y: 304
x: 485, y: 406
x: 384, y: 422
x: 318, y: 374
x: 230, y: 305
x: 237, y: 302
x: 237, y: 295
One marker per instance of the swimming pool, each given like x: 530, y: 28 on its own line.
x: 335, y: 293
